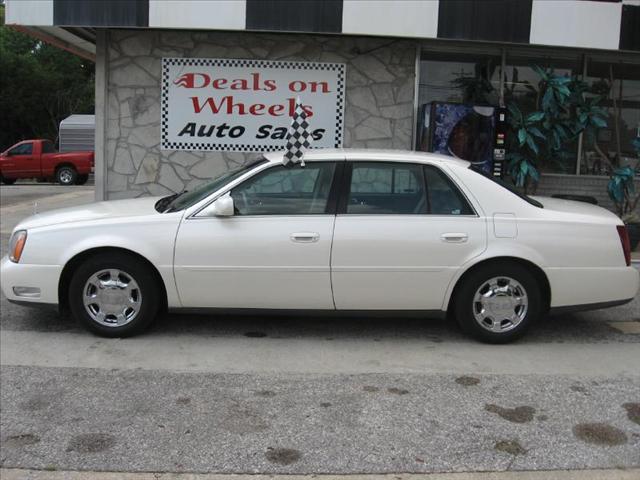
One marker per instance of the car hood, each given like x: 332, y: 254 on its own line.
x: 578, y: 208
x: 92, y: 211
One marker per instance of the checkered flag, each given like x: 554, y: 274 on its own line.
x: 298, y: 138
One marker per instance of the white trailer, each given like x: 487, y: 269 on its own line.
x: 77, y: 133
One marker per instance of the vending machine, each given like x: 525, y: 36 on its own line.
x: 475, y: 133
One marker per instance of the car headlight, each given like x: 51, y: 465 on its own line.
x: 16, y: 245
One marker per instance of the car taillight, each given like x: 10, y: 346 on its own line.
x: 626, y: 244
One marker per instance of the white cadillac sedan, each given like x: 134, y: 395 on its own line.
x: 352, y: 230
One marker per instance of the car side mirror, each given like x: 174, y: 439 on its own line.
x: 223, y: 206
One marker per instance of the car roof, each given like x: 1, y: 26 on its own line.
x: 370, y: 155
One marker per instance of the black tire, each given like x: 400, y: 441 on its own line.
x: 66, y: 175
x: 149, y: 293
x: 8, y: 181
x: 82, y: 179
x: 465, y: 308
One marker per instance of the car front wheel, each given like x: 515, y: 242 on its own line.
x: 497, y: 303
x: 114, y: 295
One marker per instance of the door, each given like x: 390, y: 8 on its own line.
x: 272, y: 253
x: 402, y: 232
x: 49, y: 159
x: 20, y: 162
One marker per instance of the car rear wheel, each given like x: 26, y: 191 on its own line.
x: 114, y: 295
x: 66, y: 175
x: 8, y: 181
x: 82, y: 179
x: 497, y: 303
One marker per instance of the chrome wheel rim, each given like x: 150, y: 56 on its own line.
x: 65, y: 176
x: 500, y: 304
x: 112, y: 297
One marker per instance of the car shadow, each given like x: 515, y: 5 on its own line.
x: 588, y: 327
x: 321, y: 327
x: 574, y: 328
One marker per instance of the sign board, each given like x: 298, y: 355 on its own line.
x: 246, y: 105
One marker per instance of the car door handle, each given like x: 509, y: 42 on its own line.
x: 454, y: 237
x: 305, y: 237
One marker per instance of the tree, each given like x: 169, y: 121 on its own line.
x: 40, y: 85
x: 564, y: 108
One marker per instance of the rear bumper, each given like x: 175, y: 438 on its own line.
x: 581, y: 287
x: 41, y: 278
x: 586, y: 307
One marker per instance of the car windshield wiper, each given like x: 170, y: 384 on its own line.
x: 164, y: 203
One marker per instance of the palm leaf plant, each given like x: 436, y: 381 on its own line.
x: 622, y: 191
x: 560, y: 112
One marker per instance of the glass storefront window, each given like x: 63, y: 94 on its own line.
x: 469, y: 79
x: 445, y: 79
x: 618, y: 84
x: 521, y: 80
x: 522, y: 88
x: 478, y: 79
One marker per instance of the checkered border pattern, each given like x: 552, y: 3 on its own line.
x: 340, y: 68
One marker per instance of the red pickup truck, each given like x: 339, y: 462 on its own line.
x: 39, y: 159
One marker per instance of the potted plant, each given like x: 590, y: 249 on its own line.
x: 622, y: 191
x: 558, y: 111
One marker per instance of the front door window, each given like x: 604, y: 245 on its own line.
x: 284, y: 190
x: 24, y: 149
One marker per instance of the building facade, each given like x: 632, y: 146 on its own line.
x: 399, y: 58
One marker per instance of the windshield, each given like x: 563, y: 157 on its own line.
x: 508, y: 186
x: 189, y: 198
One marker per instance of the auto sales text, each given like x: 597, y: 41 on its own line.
x: 228, y: 105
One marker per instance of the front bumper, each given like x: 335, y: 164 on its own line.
x: 44, y: 278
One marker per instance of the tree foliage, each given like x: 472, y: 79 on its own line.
x: 40, y: 85
x: 564, y: 108
x: 621, y: 188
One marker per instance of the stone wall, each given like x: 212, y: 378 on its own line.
x: 380, y: 78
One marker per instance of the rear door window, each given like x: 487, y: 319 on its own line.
x: 444, y: 197
x: 395, y: 188
x: 386, y: 188
x: 47, y: 147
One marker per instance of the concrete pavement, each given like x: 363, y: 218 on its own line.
x: 612, y: 474
x: 290, y: 395
x: 21, y: 200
